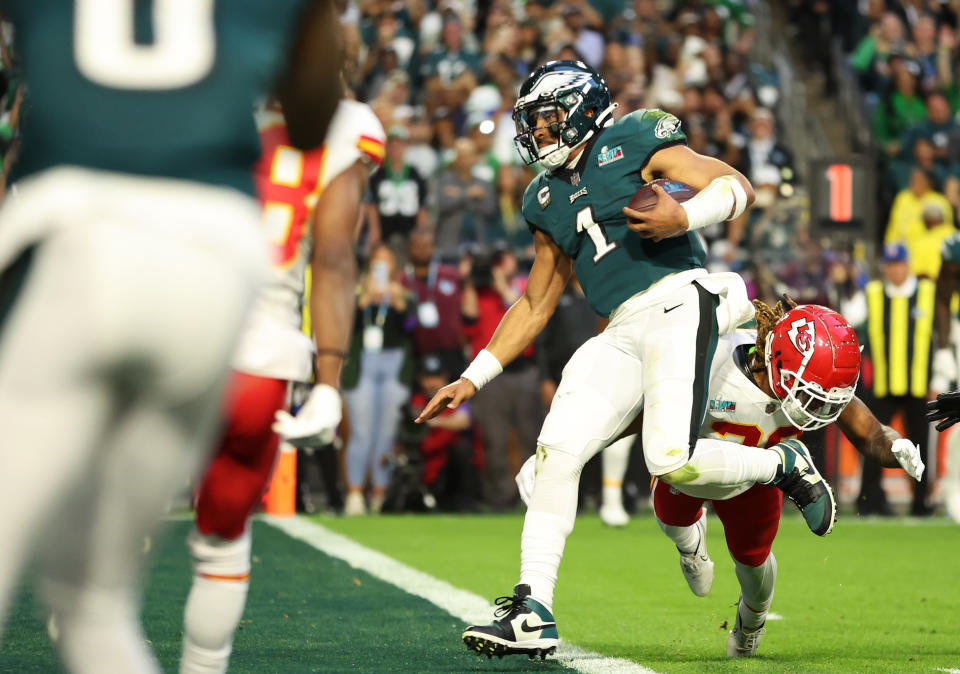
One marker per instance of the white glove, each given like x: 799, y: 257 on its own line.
x: 525, y: 477
x: 908, y: 454
x: 944, y: 370
x: 316, y: 423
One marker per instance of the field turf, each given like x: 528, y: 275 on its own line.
x: 875, y: 596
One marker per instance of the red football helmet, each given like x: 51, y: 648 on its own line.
x: 813, y: 363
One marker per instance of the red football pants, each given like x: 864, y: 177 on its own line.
x: 750, y: 520
x: 240, y: 471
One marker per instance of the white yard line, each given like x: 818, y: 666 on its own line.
x: 470, y: 608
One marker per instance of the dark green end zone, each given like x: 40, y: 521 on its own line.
x: 307, y: 613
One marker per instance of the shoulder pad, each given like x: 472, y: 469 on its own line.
x: 355, y: 134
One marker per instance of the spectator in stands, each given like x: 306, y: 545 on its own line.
x: 938, y: 129
x: 584, y: 24
x: 420, y: 153
x: 844, y: 293
x: 906, y: 215
x: 397, y: 196
x: 924, y: 47
x: 449, y: 66
x: 467, y: 206
x: 899, y: 336
x: 435, y: 292
x: 924, y: 243
x: 490, y: 288
x: 763, y: 152
x: 871, y: 56
x: 376, y: 379
x: 902, y: 108
x: 447, y: 450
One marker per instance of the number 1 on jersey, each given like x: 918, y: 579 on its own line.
x: 586, y: 223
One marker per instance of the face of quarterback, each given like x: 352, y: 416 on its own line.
x: 546, y: 125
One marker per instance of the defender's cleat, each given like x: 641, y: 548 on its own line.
x: 697, y: 566
x: 743, y: 643
x: 523, y: 626
x: 800, y: 481
x: 614, y: 515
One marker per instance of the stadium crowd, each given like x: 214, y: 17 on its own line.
x: 441, y: 231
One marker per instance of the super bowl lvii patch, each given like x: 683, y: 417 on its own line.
x: 608, y: 156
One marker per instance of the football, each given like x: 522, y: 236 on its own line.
x: 645, y: 198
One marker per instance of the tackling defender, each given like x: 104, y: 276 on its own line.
x: 754, y: 375
x: 665, y: 311
x: 129, y: 255
x: 311, y: 204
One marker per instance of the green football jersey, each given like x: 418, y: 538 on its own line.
x: 580, y: 209
x: 148, y: 87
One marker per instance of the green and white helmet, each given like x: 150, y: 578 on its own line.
x: 571, y: 86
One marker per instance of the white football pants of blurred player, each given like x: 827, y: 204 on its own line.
x: 655, y: 354
x: 112, y: 361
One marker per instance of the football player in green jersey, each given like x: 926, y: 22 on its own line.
x: 129, y: 253
x: 644, y: 270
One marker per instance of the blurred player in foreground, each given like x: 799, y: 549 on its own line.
x: 311, y: 206
x: 130, y: 254
x: 809, y: 347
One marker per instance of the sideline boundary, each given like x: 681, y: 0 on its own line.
x: 468, y: 607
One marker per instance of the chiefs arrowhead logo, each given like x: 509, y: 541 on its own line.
x: 802, y: 334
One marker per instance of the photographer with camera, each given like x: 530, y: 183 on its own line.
x: 511, y: 402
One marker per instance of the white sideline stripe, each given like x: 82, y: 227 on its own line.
x: 468, y: 607
x: 777, y: 616
x: 948, y: 671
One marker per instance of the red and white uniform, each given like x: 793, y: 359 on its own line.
x: 273, y: 348
x: 289, y: 183
x: 737, y: 411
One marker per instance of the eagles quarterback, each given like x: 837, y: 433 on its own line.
x: 666, y: 314
x: 130, y: 252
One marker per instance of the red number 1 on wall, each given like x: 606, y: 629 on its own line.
x: 840, y: 177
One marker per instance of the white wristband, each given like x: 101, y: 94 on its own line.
x: 482, y: 369
x: 714, y: 203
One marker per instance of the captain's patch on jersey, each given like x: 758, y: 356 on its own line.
x: 608, y: 156
x: 719, y: 406
x: 543, y: 196
x: 667, y: 126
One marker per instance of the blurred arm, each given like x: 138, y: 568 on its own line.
x: 334, y: 271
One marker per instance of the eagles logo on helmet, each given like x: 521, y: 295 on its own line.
x: 579, y: 96
x: 813, y: 364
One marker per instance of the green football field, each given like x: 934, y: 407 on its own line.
x: 874, y: 596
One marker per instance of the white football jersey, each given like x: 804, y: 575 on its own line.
x: 737, y: 410
x: 289, y: 183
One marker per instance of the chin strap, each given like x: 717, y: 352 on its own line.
x: 561, y: 154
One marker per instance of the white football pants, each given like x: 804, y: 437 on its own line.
x: 113, y: 355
